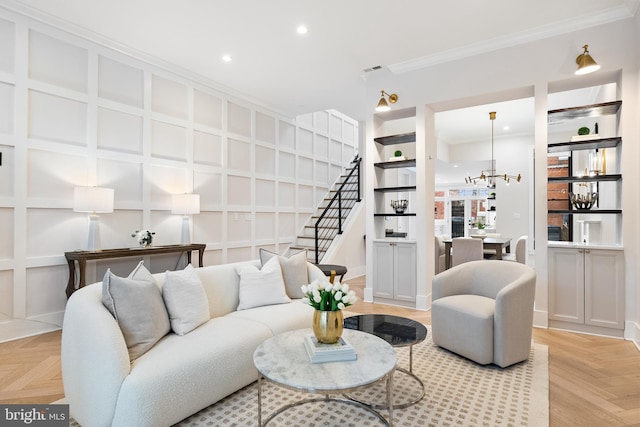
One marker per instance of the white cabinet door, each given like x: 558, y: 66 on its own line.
x: 383, y: 270
x: 405, y: 275
x: 566, y: 285
x: 604, y: 288
x: 394, y: 271
x: 586, y: 286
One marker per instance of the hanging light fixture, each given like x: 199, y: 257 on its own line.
x: 585, y: 62
x: 490, y: 176
x: 382, y: 104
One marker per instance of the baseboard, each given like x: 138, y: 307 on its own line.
x: 632, y: 332
x: 422, y: 302
x: 368, y: 294
x: 540, y: 319
x: 354, y: 272
x: 23, y: 328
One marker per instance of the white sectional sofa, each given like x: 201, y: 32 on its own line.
x: 180, y: 374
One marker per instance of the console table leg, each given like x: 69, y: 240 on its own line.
x: 71, y: 285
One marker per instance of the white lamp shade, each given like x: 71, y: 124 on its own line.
x: 185, y: 204
x: 93, y: 199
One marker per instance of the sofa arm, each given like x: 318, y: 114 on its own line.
x: 314, y: 272
x: 94, y: 356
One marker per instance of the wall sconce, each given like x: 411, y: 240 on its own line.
x: 185, y: 205
x: 93, y: 200
x: 382, y: 104
x: 585, y: 62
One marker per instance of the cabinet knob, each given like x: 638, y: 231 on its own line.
x: 587, y: 251
x: 580, y: 251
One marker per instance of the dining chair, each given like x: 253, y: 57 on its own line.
x: 439, y: 252
x: 465, y: 249
x: 520, y: 254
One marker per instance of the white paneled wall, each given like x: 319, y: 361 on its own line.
x: 76, y: 113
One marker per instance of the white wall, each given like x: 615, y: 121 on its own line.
x: 76, y: 113
x: 511, y: 73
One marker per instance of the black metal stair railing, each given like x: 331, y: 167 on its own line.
x: 329, y: 223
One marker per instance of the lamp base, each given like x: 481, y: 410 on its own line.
x: 93, y: 243
x: 186, y: 234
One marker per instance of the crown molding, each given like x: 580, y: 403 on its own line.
x: 561, y: 27
x: 60, y: 24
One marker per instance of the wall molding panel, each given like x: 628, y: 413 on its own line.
x: 74, y: 112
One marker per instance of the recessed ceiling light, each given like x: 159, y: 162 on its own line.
x: 226, y: 58
x: 302, y: 29
x: 506, y: 128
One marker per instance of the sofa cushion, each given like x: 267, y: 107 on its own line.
x: 279, y: 318
x: 185, y: 299
x: 138, y: 307
x: 294, y: 270
x: 261, y: 287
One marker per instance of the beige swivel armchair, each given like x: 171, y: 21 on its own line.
x: 483, y: 310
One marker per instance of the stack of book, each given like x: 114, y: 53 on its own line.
x: 322, y: 353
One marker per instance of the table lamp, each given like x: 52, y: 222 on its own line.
x: 93, y: 200
x: 185, y: 205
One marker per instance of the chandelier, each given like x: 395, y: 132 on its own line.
x: 489, y: 177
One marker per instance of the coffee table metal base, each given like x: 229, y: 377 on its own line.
x: 328, y: 398
x: 397, y: 405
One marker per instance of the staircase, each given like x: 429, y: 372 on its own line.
x: 328, y: 222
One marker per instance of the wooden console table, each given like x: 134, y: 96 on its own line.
x: 83, y: 256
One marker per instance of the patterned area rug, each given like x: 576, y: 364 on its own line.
x: 458, y: 392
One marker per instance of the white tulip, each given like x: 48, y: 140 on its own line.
x: 328, y: 287
x: 338, y: 296
x: 317, y: 298
x: 345, y: 288
x: 305, y: 300
x: 304, y: 288
x: 336, y: 286
x: 340, y: 305
x: 353, y: 299
x: 346, y: 299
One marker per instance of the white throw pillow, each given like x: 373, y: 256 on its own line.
x: 186, y: 300
x: 294, y: 270
x: 261, y: 287
x: 137, y: 305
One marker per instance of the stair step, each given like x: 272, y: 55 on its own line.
x: 313, y: 238
x: 308, y: 248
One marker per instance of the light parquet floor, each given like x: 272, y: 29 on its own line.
x: 593, y: 381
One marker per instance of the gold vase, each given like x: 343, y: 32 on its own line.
x: 327, y: 325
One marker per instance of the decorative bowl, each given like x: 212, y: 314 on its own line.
x: 583, y: 201
x: 399, y: 205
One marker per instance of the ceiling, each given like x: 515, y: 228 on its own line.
x: 274, y: 66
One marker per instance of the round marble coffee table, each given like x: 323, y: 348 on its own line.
x: 397, y: 331
x: 282, y: 359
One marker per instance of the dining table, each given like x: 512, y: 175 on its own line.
x: 499, y: 244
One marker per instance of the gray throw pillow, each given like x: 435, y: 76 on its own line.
x: 294, y: 270
x: 137, y: 305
